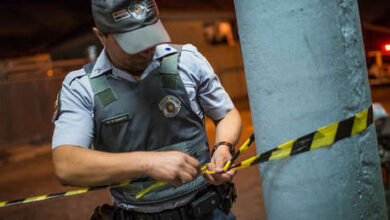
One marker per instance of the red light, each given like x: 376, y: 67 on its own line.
x: 387, y: 47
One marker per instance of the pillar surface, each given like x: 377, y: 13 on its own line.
x: 305, y: 69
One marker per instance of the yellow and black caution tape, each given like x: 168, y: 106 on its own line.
x: 242, y: 149
x: 69, y: 193
x: 322, y: 137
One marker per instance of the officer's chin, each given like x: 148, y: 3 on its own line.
x: 141, y: 65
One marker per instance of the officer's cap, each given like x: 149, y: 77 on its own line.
x: 135, y: 24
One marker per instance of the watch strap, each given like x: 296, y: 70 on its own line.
x: 231, y: 147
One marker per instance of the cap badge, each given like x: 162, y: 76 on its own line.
x: 119, y: 15
x: 138, y: 10
x: 170, y: 105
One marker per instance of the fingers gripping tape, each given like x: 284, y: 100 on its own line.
x: 323, y: 137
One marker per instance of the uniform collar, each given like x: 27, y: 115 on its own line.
x: 103, y: 63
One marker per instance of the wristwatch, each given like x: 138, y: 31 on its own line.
x: 231, y: 147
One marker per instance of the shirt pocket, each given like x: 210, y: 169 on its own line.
x: 113, y: 131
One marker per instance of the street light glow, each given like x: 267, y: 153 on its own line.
x: 387, y: 47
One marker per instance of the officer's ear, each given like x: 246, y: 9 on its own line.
x: 101, y: 36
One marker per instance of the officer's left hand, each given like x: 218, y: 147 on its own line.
x: 220, y: 158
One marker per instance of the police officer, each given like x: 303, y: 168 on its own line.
x: 138, y: 112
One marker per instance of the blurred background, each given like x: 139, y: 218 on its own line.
x: 43, y: 40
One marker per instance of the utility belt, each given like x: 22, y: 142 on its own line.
x: 204, y: 203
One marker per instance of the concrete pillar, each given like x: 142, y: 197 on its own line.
x: 305, y: 68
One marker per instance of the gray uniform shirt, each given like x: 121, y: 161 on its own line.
x: 74, y: 124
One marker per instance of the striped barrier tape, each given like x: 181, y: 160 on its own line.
x: 69, y: 193
x: 322, y: 137
x: 242, y: 149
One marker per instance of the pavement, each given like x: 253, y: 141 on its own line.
x: 23, y: 152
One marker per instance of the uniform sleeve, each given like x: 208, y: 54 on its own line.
x: 212, y: 97
x: 74, y: 122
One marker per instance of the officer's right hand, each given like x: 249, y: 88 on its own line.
x: 173, y: 167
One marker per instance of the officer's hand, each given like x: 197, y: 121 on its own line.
x: 173, y: 167
x: 218, y: 161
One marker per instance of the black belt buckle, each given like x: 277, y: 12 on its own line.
x: 170, y: 215
x: 204, y: 204
x: 139, y: 216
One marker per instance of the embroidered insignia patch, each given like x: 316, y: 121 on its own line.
x: 170, y: 105
x: 119, y: 15
x: 57, y: 105
x: 138, y: 10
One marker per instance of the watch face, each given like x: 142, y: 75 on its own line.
x: 138, y: 10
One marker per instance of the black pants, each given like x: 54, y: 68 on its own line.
x: 107, y: 212
x: 212, y: 203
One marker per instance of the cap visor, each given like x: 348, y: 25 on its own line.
x: 143, y: 38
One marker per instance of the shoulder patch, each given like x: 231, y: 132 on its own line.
x: 74, y: 75
x: 57, y: 105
